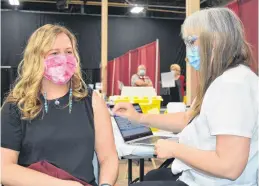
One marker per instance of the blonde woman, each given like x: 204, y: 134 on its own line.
x: 218, y: 143
x: 177, y: 70
x: 50, y: 115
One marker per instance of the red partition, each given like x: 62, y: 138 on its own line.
x: 247, y: 10
x: 249, y: 17
x: 110, y: 77
x: 134, y: 55
x: 158, y: 82
x: 122, y: 68
x: 117, y: 76
x: 148, y: 57
x: 234, y: 7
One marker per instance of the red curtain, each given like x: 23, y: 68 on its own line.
x: 247, y: 10
x: 234, y: 7
x: 134, y: 55
x: 110, y: 77
x: 249, y: 17
x: 147, y: 56
x: 117, y: 76
x: 158, y: 70
x: 122, y: 68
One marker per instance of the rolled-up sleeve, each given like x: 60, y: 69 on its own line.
x: 232, y: 110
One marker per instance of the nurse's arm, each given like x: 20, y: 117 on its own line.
x: 104, y: 142
x: 174, y: 122
x: 227, y: 161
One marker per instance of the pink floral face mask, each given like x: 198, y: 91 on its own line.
x: 60, y: 68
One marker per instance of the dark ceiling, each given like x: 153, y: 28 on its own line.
x: 174, y: 9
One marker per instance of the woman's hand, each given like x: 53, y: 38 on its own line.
x: 164, y: 149
x: 127, y: 110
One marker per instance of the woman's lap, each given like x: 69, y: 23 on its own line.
x: 160, y: 177
x: 163, y: 174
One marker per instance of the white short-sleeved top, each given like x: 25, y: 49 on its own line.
x: 230, y: 107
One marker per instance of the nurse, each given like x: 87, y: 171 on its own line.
x: 218, y: 143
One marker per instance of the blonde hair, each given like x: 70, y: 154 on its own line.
x: 222, y: 46
x: 26, y: 92
x: 177, y: 68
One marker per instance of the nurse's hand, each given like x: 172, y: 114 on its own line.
x: 164, y: 149
x: 127, y: 110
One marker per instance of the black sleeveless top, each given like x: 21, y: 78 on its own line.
x: 64, y: 140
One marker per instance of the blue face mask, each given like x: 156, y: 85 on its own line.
x: 142, y: 72
x: 192, y: 53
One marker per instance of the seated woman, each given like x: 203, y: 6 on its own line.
x: 218, y: 143
x: 50, y: 115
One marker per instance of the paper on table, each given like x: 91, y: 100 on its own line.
x: 167, y: 79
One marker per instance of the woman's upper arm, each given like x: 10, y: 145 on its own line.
x: 11, y: 127
x: 11, y: 135
x: 8, y: 157
x: 231, y: 110
x: 234, y: 153
x: 104, y: 143
x: 231, y: 118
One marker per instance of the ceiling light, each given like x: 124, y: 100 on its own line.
x: 137, y: 9
x: 14, y: 2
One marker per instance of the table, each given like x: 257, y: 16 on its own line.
x: 135, y: 152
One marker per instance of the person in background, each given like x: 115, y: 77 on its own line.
x: 51, y: 115
x: 178, y: 76
x: 140, y: 79
x: 218, y: 140
x: 177, y: 92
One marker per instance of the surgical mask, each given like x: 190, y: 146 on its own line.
x: 60, y: 68
x: 142, y: 72
x: 192, y: 53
